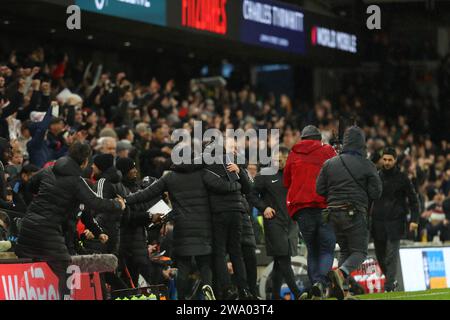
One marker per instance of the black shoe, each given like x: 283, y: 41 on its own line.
x: 317, y: 291
x: 230, y: 294
x: 391, y: 288
x: 395, y: 286
x: 245, y: 294
x: 355, y: 288
x: 337, y: 283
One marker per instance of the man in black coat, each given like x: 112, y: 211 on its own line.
x: 108, y: 186
x: 192, y: 233
x: 133, y: 227
x: 389, y: 216
x: 229, y: 204
x: 60, y: 191
x: 349, y: 182
x: 281, y: 233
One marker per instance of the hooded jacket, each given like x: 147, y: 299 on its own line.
x: 60, y: 191
x: 300, y: 174
x: 337, y: 185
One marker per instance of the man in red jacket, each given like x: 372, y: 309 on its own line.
x: 305, y: 205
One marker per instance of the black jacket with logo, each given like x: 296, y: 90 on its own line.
x: 281, y: 233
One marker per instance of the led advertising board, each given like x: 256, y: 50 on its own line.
x: 147, y: 11
x: 272, y: 24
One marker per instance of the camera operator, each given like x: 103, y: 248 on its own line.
x: 349, y: 182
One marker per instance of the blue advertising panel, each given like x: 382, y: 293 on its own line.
x: 273, y: 25
x: 147, y: 11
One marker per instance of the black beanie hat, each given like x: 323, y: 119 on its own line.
x: 124, y: 165
x: 104, y: 161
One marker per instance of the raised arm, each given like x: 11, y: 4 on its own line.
x: 42, y: 127
x: 245, y: 181
x: 215, y: 183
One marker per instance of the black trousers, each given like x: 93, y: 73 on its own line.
x: 387, y: 252
x: 227, y: 229
x: 59, y: 268
x: 352, y: 235
x: 139, y: 266
x: 282, y: 269
x: 249, y: 255
x: 185, y: 266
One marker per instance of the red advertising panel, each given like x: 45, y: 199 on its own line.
x: 30, y: 281
x: 90, y: 288
x: 36, y: 281
x: 206, y: 15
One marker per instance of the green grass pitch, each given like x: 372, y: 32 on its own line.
x: 438, y: 294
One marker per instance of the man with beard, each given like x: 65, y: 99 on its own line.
x: 389, y: 216
x: 281, y: 233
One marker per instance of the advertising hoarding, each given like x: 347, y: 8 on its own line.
x: 36, y: 281
x: 272, y: 24
x: 425, y: 268
x: 147, y: 11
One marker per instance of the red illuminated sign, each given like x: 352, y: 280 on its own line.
x: 206, y: 15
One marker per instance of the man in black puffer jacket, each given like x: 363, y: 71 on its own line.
x: 349, y: 182
x: 133, y: 228
x: 192, y: 233
x: 60, y: 190
x: 228, y: 204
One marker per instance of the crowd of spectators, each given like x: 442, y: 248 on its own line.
x: 47, y: 105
